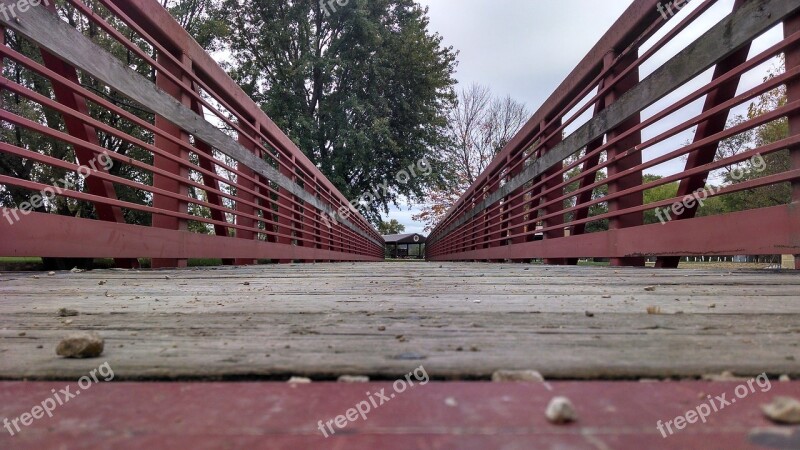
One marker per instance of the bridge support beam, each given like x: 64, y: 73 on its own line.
x: 78, y: 129
x: 159, y: 181
x: 242, y: 196
x: 285, y: 209
x: 555, y: 181
x: 588, y: 165
x: 515, y: 205
x: 627, y: 162
x: 790, y: 27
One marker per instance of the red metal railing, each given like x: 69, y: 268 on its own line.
x: 124, y: 74
x: 541, y: 194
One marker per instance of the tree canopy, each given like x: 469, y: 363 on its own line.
x: 362, y: 88
x: 479, y: 125
x: 391, y: 227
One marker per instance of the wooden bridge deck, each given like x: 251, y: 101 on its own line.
x: 461, y: 321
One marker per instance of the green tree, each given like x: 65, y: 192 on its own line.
x: 201, y: 19
x: 656, y: 194
x: 772, y: 163
x: 391, y: 227
x: 362, y: 89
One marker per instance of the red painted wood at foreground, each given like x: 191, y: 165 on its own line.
x: 478, y: 415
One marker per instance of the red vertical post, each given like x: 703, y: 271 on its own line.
x: 486, y: 222
x: 620, y: 165
x: 311, y: 212
x: 306, y: 211
x: 298, y: 209
x: 555, y: 208
x: 242, y: 208
x: 496, y: 217
x: 533, y: 209
x: 327, y: 230
x: 477, y: 221
x: 515, y: 206
x: 78, y: 129
x: 177, y: 91
x: 790, y: 27
x: 285, y: 206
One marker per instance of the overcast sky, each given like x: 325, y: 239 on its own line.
x: 520, y: 48
x: 526, y: 48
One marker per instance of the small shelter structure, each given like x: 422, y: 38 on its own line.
x: 405, y: 246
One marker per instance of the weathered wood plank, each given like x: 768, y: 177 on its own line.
x: 460, y: 320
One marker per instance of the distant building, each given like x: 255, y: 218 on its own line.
x: 404, y: 246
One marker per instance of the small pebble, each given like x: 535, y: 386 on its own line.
x: 81, y: 345
x: 783, y: 410
x: 381, y: 328
x: 299, y: 380
x: 560, y: 411
x: 517, y: 375
x: 353, y: 379
x: 589, y: 314
x: 724, y: 376
x: 64, y: 312
x: 653, y: 310
x: 451, y: 402
x: 50, y: 274
x: 650, y: 288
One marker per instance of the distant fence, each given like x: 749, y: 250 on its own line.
x: 212, y: 174
x: 541, y: 197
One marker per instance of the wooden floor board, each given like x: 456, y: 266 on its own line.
x: 460, y: 320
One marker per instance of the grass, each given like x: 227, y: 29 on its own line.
x: 15, y: 263
x: 19, y: 260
